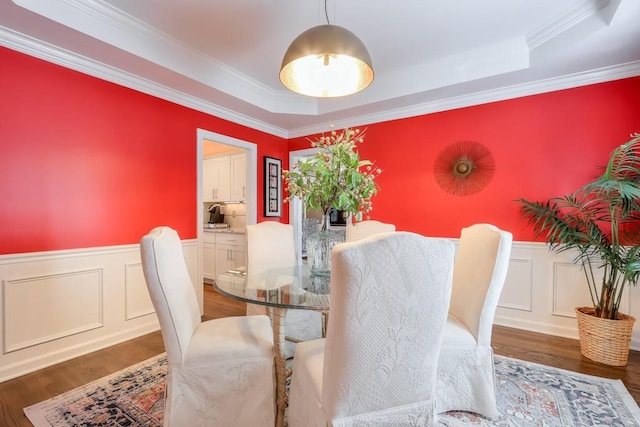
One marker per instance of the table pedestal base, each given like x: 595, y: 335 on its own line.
x: 278, y: 316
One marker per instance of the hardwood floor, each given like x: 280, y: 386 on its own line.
x: 41, y: 385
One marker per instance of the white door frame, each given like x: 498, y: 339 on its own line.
x: 251, y: 148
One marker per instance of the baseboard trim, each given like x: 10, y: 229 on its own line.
x: 58, y: 356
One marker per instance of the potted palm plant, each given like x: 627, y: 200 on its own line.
x: 335, y: 177
x: 600, y: 223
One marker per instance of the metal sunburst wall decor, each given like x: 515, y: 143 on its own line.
x: 464, y: 168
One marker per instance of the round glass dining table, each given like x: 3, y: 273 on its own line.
x: 283, y: 287
x: 278, y: 289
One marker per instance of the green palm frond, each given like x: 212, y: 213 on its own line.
x: 600, y: 222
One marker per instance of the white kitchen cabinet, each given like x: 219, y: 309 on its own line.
x: 209, y: 254
x: 207, y: 180
x: 238, y: 177
x: 231, y: 251
x: 224, y: 178
x: 216, y: 179
x: 222, y: 252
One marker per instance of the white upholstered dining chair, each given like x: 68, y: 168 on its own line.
x: 377, y: 365
x: 271, y: 245
x: 220, y: 372
x: 466, y: 378
x: 366, y: 228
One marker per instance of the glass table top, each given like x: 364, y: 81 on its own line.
x: 291, y: 286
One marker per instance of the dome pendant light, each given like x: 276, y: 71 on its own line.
x: 326, y: 61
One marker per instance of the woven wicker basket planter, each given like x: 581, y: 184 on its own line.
x: 604, y: 340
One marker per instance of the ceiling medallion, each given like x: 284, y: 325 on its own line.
x: 464, y: 168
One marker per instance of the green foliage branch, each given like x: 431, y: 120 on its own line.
x: 334, y: 177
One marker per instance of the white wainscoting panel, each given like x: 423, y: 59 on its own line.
x: 517, y: 293
x: 66, y: 304
x: 570, y: 289
x: 62, y: 304
x: 137, y: 300
x: 557, y: 286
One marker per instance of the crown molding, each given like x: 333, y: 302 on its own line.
x: 50, y: 53
x: 577, y: 13
x: 65, y: 58
x: 104, y: 22
x: 111, y: 25
x: 601, y: 75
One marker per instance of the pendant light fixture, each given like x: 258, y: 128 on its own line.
x: 326, y: 61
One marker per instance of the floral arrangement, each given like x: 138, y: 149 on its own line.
x: 334, y: 177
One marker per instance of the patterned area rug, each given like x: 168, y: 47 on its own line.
x: 528, y: 395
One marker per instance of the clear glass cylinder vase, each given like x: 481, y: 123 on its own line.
x: 319, y: 245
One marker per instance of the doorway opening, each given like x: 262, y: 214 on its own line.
x: 215, y: 144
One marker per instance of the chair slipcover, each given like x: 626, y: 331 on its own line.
x: 271, y: 245
x: 378, y: 363
x: 367, y: 228
x: 466, y: 378
x: 220, y: 372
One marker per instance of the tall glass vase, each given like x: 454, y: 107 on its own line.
x: 319, y: 245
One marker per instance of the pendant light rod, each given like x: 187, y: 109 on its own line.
x: 326, y: 14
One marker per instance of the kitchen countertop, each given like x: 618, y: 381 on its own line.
x: 229, y: 230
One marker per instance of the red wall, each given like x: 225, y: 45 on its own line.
x: 87, y: 163
x: 543, y: 146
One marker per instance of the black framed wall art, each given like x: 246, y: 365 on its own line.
x: 272, y: 186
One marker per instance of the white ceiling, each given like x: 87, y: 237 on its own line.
x: 223, y: 57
